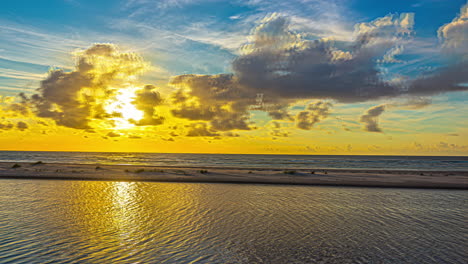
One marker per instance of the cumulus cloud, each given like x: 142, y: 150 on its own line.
x: 370, y: 118
x: 73, y: 99
x: 284, y: 66
x: 312, y: 114
x: 146, y: 100
x: 455, y: 34
x: 214, y: 98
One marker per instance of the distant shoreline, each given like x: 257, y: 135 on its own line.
x: 318, y: 177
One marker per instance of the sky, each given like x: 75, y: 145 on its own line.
x: 344, y: 77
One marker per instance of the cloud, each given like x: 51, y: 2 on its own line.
x: 146, y: 100
x: 279, y: 112
x: 389, y: 57
x: 73, y: 99
x: 6, y: 126
x: 450, y: 77
x: 455, y: 34
x: 277, y: 131
x: 412, y: 103
x: 22, y: 126
x: 450, y: 146
x: 113, y: 134
x: 200, y: 130
x: 20, y: 75
x: 19, y: 108
x: 370, y: 118
x: 284, y: 66
x: 230, y: 134
x: 282, y: 63
x: 441, y: 146
x: 213, y: 98
x: 312, y: 114
x: 145, y: 6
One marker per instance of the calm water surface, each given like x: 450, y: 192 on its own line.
x: 125, y: 222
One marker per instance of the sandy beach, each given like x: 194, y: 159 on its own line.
x: 332, y: 177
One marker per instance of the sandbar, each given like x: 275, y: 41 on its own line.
x: 332, y: 177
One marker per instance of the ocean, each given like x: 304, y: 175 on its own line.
x: 439, y: 163
x: 47, y: 221
x: 68, y: 221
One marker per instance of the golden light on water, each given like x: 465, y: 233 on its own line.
x: 122, y: 104
x: 123, y: 193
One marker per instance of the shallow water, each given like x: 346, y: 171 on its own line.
x: 250, y: 161
x: 138, y: 222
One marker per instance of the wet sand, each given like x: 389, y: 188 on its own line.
x: 333, y: 177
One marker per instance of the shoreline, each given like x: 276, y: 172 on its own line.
x: 317, y: 177
x: 360, y: 170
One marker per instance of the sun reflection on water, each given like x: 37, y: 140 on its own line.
x: 141, y: 222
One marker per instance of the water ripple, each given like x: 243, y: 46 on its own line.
x: 121, y: 222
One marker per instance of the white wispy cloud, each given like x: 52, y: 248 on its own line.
x: 28, y: 44
x: 21, y: 75
x: 16, y: 89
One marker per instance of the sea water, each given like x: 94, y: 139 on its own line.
x: 245, y: 161
x: 45, y: 221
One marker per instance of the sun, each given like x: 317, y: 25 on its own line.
x: 122, y: 104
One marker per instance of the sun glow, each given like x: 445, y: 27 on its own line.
x: 121, y: 106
